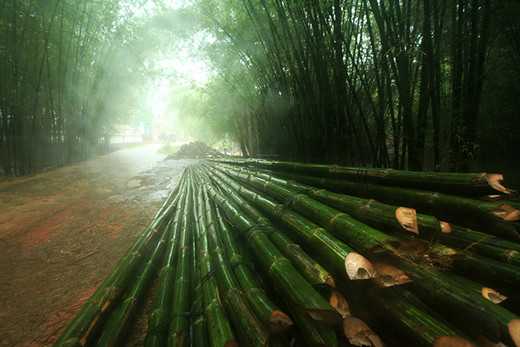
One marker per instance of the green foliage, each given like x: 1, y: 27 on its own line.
x: 70, y: 72
x: 407, y: 84
x: 381, y: 83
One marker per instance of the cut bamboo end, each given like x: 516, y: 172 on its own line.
x: 359, y: 333
x: 327, y: 317
x: 493, y: 295
x: 338, y: 301
x: 445, y: 227
x: 388, y: 275
x: 329, y: 281
x: 279, y: 322
x: 495, y: 180
x: 493, y: 197
x: 507, y: 213
x: 358, y: 267
x: 452, y: 341
x: 510, y: 255
x: 407, y: 217
x: 514, y: 331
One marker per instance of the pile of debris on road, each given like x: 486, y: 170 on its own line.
x: 195, y: 150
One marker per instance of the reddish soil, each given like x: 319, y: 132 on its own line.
x: 61, y: 233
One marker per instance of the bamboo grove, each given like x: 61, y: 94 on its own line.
x: 68, y: 75
x: 402, y: 84
x: 258, y: 253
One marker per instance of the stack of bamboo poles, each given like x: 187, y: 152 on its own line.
x: 258, y: 253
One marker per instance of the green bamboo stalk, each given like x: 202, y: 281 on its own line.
x: 483, y: 269
x: 119, y: 320
x: 159, y: 318
x: 249, y: 328
x: 226, y: 249
x: 312, y: 333
x: 467, y: 239
x: 356, y: 234
x: 202, y: 330
x: 311, y: 270
x: 420, y: 325
x: 491, y: 217
x: 220, y: 332
x: 378, y: 215
x: 476, y: 287
x: 101, y: 303
x: 179, y: 327
x: 269, y: 314
x: 471, y: 184
x: 280, y: 270
x: 199, y: 315
x: 451, y: 299
x: 387, y: 217
x: 427, y: 277
x: 335, y: 254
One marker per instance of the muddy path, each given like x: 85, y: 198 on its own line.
x: 61, y: 233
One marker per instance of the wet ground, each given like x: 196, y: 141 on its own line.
x: 61, y: 233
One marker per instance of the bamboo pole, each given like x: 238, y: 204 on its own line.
x: 269, y: 313
x: 492, y: 217
x: 220, y: 332
x: 199, y: 317
x: 460, y: 237
x: 311, y: 270
x: 101, y: 303
x: 159, y: 318
x: 338, y: 256
x: 280, y: 270
x: 388, y: 217
x: 419, y: 324
x: 226, y: 248
x: 312, y: 333
x: 179, y: 327
x: 119, y: 320
x: 248, y: 327
x: 450, y: 298
x: 470, y: 184
x: 356, y: 234
x: 424, y: 277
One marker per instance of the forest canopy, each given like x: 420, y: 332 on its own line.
x: 420, y: 85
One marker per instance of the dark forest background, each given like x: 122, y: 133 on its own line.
x: 418, y: 85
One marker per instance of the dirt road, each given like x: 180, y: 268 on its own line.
x: 61, y: 233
